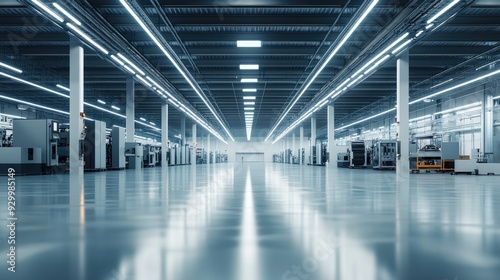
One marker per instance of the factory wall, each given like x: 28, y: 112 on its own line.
x: 242, y: 145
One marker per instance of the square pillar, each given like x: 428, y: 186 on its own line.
x: 130, y: 109
x: 403, y: 128
x: 76, y: 82
x: 331, y: 134
x: 164, y: 134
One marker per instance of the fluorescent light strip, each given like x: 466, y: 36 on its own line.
x: 429, y: 96
x: 142, y: 119
x: 249, y: 67
x: 63, y: 87
x: 144, y: 81
x: 496, y: 97
x: 402, y: 46
x: 377, y: 64
x: 440, y: 84
x: 419, y: 33
x: 130, y: 70
x: 117, y: 60
x: 479, y: 68
x: 249, y: 43
x: 131, y: 64
x: 32, y: 84
x: 457, y: 86
x: 100, y: 101
x: 11, y: 68
x: 248, y: 97
x: 116, y: 108
x: 346, y: 37
x: 444, y: 10
x: 380, y: 54
x: 250, y: 80
x: 157, y: 42
x: 249, y: 90
x: 12, y: 116
x: 87, y: 38
x: 33, y: 104
x: 152, y: 123
x: 66, y: 13
x: 249, y: 108
x: 248, y: 103
x: 49, y: 11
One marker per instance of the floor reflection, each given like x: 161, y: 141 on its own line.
x: 256, y: 221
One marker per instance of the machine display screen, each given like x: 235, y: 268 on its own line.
x: 55, y: 127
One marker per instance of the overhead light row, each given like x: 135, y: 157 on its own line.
x: 373, y: 64
x: 497, y: 72
x: 121, y: 60
x: 249, y: 111
x: 181, y: 71
x: 323, y: 65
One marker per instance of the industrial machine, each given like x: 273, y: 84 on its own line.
x: 383, y: 154
x: 343, y: 160
x: 357, y: 154
x: 116, y: 148
x: 26, y: 161
x: 95, y: 146
x: 134, y: 153
x: 6, y: 137
x: 150, y: 155
x: 43, y: 134
x: 431, y: 158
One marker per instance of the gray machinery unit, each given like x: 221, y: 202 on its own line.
x: 43, y: 134
x: 25, y: 161
x: 95, y: 146
x: 384, y: 154
x: 357, y: 155
x: 6, y: 137
x: 134, y: 154
x: 150, y: 154
x: 116, y: 152
x: 343, y: 160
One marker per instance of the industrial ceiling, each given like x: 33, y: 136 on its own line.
x: 296, y: 37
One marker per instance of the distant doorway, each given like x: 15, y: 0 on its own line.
x: 249, y: 157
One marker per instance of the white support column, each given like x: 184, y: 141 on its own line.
x: 313, y: 138
x: 293, y: 146
x: 487, y: 121
x: 403, y: 89
x: 183, y: 130
x: 331, y: 135
x: 164, y: 134
x: 301, y: 144
x: 130, y: 109
x: 76, y: 83
x: 195, y: 146
x: 209, y: 148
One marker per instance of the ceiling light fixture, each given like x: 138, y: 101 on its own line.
x: 250, y: 80
x: 114, y: 107
x: 131, y: 64
x: 249, y: 67
x: 63, y: 87
x: 444, y: 10
x: 440, y: 84
x: 32, y: 84
x: 248, y: 97
x: 87, y: 38
x: 249, y: 90
x: 142, y: 119
x: 248, y: 103
x: 130, y: 70
x: 117, y: 60
x: 49, y: 11
x: 66, y: 13
x: 143, y: 81
x: 11, y: 68
x: 249, y: 108
x: 100, y: 101
x: 249, y: 43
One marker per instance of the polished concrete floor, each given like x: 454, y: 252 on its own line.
x: 254, y: 222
